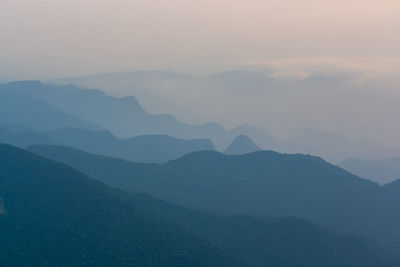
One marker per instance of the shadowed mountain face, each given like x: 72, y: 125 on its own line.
x: 2, y: 210
x: 382, y: 171
x: 258, y: 183
x: 54, y: 215
x: 57, y: 216
x: 263, y: 241
x: 241, y: 145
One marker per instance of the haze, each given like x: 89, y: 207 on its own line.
x: 55, y: 38
x: 348, y: 48
x: 200, y: 133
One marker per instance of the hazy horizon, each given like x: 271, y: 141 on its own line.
x: 349, y: 49
x: 58, y: 38
x: 200, y: 133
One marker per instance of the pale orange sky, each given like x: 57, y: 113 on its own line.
x: 44, y: 39
x: 49, y: 38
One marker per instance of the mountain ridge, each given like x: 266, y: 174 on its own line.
x: 97, y: 226
x: 241, y: 145
x: 259, y: 183
x: 102, y: 226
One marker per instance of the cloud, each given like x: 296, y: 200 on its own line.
x: 359, y: 69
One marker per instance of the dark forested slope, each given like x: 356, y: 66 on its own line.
x: 262, y: 182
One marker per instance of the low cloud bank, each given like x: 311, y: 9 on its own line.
x: 360, y: 69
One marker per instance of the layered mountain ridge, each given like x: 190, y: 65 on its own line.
x: 54, y: 215
x: 263, y: 182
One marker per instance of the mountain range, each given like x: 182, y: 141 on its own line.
x: 51, y: 214
x: 260, y: 183
x: 146, y: 148
x: 104, y: 182
x: 124, y: 117
x: 54, y: 215
x: 284, y: 106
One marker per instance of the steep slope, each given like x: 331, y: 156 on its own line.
x: 19, y: 108
x: 53, y: 215
x: 382, y: 171
x: 263, y: 182
x: 241, y: 145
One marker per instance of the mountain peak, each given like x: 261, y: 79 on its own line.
x: 242, y: 145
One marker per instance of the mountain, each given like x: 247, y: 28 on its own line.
x: 263, y: 241
x: 22, y: 138
x: 53, y: 215
x: 261, y: 96
x: 241, y: 145
x: 262, y: 182
x: 23, y: 109
x: 151, y: 87
x: 258, y: 135
x: 146, y: 148
x: 124, y: 117
x: 382, y: 171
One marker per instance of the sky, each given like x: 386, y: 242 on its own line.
x: 349, y: 48
x: 61, y: 38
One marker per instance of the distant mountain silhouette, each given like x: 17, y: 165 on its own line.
x: 20, y: 108
x: 51, y: 214
x: 146, y: 148
x: 382, y: 171
x: 262, y: 182
x: 258, y: 135
x: 241, y: 145
x: 174, y: 93
x: 124, y: 117
x: 22, y: 137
